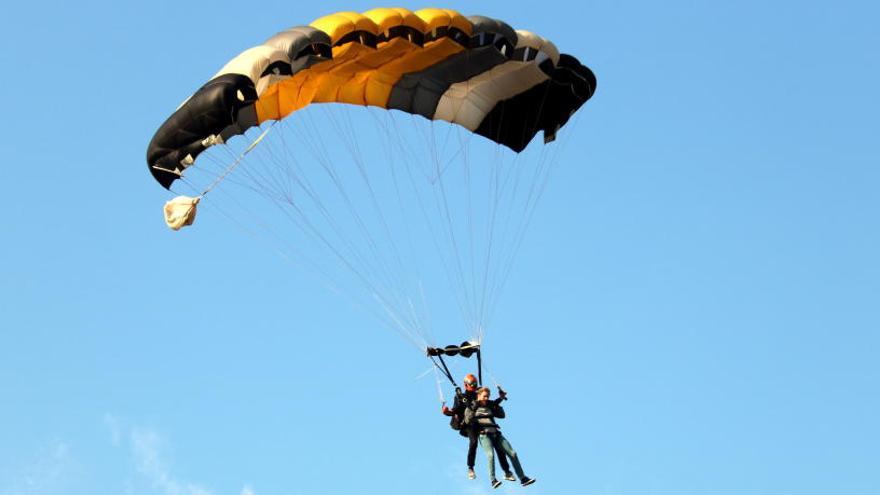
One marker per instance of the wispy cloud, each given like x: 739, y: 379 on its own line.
x: 460, y: 484
x: 47, y: 474
x: 456, y: 472
x: 113, y: 424
x: 148, y: 448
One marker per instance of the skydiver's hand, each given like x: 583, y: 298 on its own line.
x: 445, y: 410
x: 502, y: 394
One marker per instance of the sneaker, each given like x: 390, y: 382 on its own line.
x: 528, y: 481
x: 509, y: 476
x: 471, y: 474
x: 496, y: 483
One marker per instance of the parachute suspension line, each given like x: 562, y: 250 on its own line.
x: 285, y: 247
x: 362, y: 167
x: 406, y: 152
x: 412, y: 161
x: 500, y: 187
x: 479, y: 293
x: 516, y: 173
x: 469, y: 207
x: 410, y: 305
x: 320, y: 155
x: 528, y: 209
x: 196, y: 171
x: 431, y: 178
x: 329, y: 169
x: 383, y: 125
x: 452, y: 252
x: 443, y: 146
x: 478, y: 325
x: 278, y: 173
x: 505, y: 265
x: 455, y: 248
x: 290, y: 167
x: 455, y: 240
x: 494, y: 199
x: 219, y: 178
x: 494, y: 381
x: 507, y: 193
x: 239, y: 159
x: 424, y: 302
x: 331, y: 172
x: 499, y: 196
x: 439, y: 386
x: 350, y: 144
x: 191, y: 186
x: 392, y: 285
x: 474, y: 323
x: 492, y: 377
x: 431, y: 369
x: 210, y: 167
x: 444, y: 208
x: 310, y: 229
x: 531, y: 206
x: 266, y: 181
x: 473, y: 254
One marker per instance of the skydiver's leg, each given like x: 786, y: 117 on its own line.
x: 502, y: 458
x: 473, y: 438
x: 486, y: 443
x: 508, y: 449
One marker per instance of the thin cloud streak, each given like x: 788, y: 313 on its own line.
x: 48, y: 474
x: 146, y: 447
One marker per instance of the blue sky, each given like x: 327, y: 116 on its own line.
x: 694, y: 309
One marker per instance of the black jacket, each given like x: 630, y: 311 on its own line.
x: 459, y: 406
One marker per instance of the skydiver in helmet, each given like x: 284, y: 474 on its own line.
x: 463, y: 400
x: 481, y: 414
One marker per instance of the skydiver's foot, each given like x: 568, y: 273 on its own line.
x: 509, y: 476
x: 496, y: 483
x: 526, y: 481
x: 471, y: 474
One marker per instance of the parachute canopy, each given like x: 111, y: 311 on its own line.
x: 476, y: 72
x: 403, y: 211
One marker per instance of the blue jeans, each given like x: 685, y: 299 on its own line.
x: 490, y: 441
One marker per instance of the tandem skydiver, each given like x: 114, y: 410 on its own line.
x: 481, y: 414
x: 463, y: 400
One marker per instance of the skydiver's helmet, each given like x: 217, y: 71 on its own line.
x: 470, y: 383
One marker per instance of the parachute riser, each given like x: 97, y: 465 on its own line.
x: 465, y: 350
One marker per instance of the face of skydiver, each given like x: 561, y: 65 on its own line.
x: 470, y: 383
x: 483, y: 396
